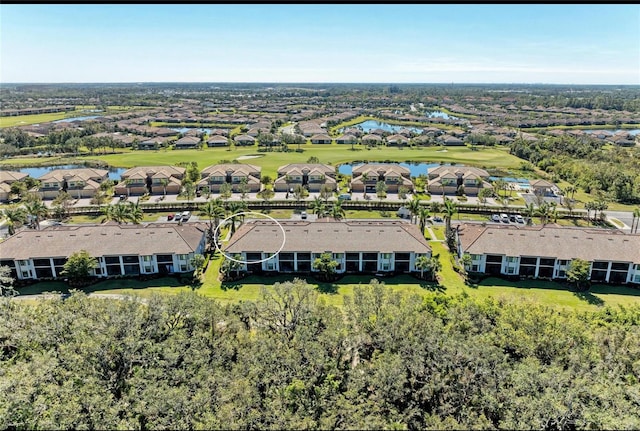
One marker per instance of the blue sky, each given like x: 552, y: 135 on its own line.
x: 428, y: 43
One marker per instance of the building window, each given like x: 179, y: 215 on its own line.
x: 386, y: 256
x: 474, y: 268
x: 26, y: 274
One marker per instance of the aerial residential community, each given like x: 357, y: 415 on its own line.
x: 320, y: 216
x: 72, y: 152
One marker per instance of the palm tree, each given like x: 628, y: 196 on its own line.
x: 422, y: 263
x: 16, y: 217
x: 118, y: 213
x: 544, y: 211
x: 423, y: 214
x: 135, y: 213
x: 570, y: 190
x: 530, y: 212
x: 589, y: 206
x: 318, y: 207
x: 434, y: 267
x: 213, y: 209
x: 165, y: 183
x: 466, y: 261
x: 365, y: 178
x: 38, y: 210
x: 499, y: 185
x: 450, y: 208
x: 234, y: 213
x: 337, y: 212
x: 414, y: 207
x: 570, y: 205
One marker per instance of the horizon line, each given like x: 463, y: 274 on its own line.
x: 306, y: 83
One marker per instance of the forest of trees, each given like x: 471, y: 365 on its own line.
x: 384, y: 360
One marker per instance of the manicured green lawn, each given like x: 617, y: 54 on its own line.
x: 24, y: 120
x: 451, y: 283
x: 333, y: 154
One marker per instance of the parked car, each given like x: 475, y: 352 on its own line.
x: 344, y: 197
x: 178, y: 217
x: 519, y: 218
x: 303, y: 215
x: 495, y: 217
x: 123, y: 197
x: 504, y: 218
x: 169, y: 217
x: 186, y: 215
x: 512, y: 217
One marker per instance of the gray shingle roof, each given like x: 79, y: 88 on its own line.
x: 550, y: 241
x: 335, y: 236
x: 103, y: 240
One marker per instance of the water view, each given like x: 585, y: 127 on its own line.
x: 369, y: 125
x: 37, y: 172
x: 633, y: 132
x: 68, y: 120
x: 186, y: 129
x: 440, y: 114
x: 416, y: 169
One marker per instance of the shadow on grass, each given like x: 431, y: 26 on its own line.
x: 589, y: 298
x: 230, y: 285
x: 433, y: 286
x: 113, y: 284
x: 328, y: 287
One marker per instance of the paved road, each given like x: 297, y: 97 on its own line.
x: 625, y: 217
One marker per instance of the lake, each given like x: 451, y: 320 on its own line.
x: 370, y: 125
x: 440, y: 114
x: 114, y: 173
x: 186, y: 129
x: 633, y: 132
x: 416, y: 169
x: 68, y: 120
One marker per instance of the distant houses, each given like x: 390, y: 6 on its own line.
x: 234, y: 174
x: 79, y: 183
x: 151, y: 179
x: 311, y: 176
x: 447, y: 180
x: 365, y: 177
x: 6, y: 179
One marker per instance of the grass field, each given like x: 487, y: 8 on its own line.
x: 81, y: 111
x: 332, y: 154
x: 248, y: 289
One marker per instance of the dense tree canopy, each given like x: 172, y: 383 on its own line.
x: 385, y: 360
